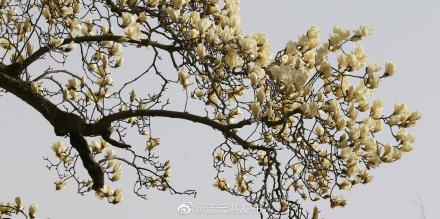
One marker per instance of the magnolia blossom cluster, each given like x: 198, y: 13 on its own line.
x: 112, y: 165
x: 113, y: 196
x: 323, y: 117
x: 61, y: 151
x: 17, y: 208
x: 217, y: 38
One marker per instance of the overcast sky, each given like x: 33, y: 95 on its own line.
x: 406, y: 32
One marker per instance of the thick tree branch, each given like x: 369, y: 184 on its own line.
x: 95, y: 171
x: 63, y: 122
x: 23, y: 91
x: 227, y: 131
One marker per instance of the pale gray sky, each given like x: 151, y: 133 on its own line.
x: 406, y: 32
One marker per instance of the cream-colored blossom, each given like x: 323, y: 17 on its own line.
x: 221, y: 184
x: 19, y: 203
x: 173, y: 13
x: 390, y: 69
x: 255, y: 109
x: 33, y: 208
x: 127, y: 19
x: 59, y: 185
x: 183, y: 78
x: 56, y: 42
x: 363, y: 31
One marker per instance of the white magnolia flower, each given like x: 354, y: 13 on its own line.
x: 56, y: 42
x: 19, y: 203
x: 201, y: 50
x: 127, y: 19
x: 255, y: 109
x: 33, y: 208
x: 178, y: 4
x: 133, y: 32
x: 390, y: 69
x: 363, y: 31
x: 173, y: 13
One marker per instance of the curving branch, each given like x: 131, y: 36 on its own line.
x: 227, y: 130
x: 95, y: 171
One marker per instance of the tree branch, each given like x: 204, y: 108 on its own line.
x: 95, y: 171
x: 227, y: 131
x: 23, y: 91
x: 19, y: 67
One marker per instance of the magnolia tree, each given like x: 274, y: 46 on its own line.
x: 299, y: 124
